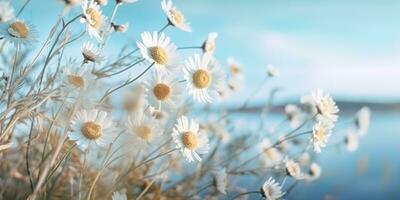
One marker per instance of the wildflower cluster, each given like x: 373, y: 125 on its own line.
x: 149, y: 123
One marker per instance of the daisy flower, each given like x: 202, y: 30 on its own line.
x: 189, y: 140
x: 163, y: 91
x: 157, y: 48
x: 271, y: 155
x: 326, y: 107
x: 320, y: 135
x: 6, y: 11
x: 315, y: 172
x: 78, y: 78
x: 91, y: 126
x: 293, y: 169
x: 120, y: 195
x: 234, y: 68
x: 135, y: 99
x: 18, y: 32
x: 91, y: 53
x: 120, y: 28
x: 203, y: 78
x: 271, y: 190
x: 293, y: 114
x: 220, y: 180
x: 175, y: 17
x: 209, y: 45
x: 93, y: 18
x: 363, y: 118
x: 351, y: 141
x: 143, y: 128
x: 159, y: 115
x: 272, y: 71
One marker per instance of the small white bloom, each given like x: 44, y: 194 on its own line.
x: 234, y: 68
x: 162, y: 91
x: 175, y: 17
x: 320, y: 135
x: 314, y: 173
x: 220, y: 180
x: 143, y: 128
x: 293, y: 114
x: 203, y: 78
x: 93, y: 18
x: 91, y: 53
x: 158, y: 49
x: 77, y: 78
x: 271, y: 155
x: 293, y: 169
x: 92, y: 126
x: 363, y: 118
x: 120, y: 28
x: 6, y: 11
x: 18, y: 32
x: 272, y: 71
x: 271, y: 190
x: 209, y: 45
x: 326, y: 107
x: 189, y: 140
x: 351, y: 141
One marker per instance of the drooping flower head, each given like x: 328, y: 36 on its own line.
x: 271, y: 190
x: 175, y: 17
x: 293, y: 169
x: 363, y: 118
x: 326, y: 107
x: 220, y: 180
x: 91, y: 53
x: 209, y: 45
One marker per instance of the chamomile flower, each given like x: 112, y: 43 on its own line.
x: 175, y: 17
x: 120, y: 28
x: 326, y: 107
x: 271, y: 190
x: 77, y: 78
x: 189, y: 140
x: 158, y: 49
x: 6, y: 11
x: 92, y: 126
x: 271, y: 155
x: 220, y: 180
x: 363, y: 118
x: 234, y: 68
x: 143, y: 128
x: 91, y: 53
x: 320, y: 135
x: 351, y: 141
x: 162, y: 91
x: 203, y: 78
x: 120, y: 195
x: 293, y: 169
x: 314, y: 173
x: 293, y: 114
x: 209, y: 45
x: 93, y: 18
x: 18, y: 32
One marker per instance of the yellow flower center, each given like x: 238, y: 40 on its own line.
x: 201, y: 79
x: 18, y: 29
x: 76, y: 81
x: 159, y: 55
x: 95, y: 18
x: 91, y: 130
x: 189, y: 140
x: 161, y: 91
x: 177, y: 16
x: 144, y: 132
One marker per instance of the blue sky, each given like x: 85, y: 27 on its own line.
x: 349, y: 48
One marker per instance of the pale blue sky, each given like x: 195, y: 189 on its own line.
x: 349, y: 48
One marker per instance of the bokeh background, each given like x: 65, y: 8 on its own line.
x: 350, y: 48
